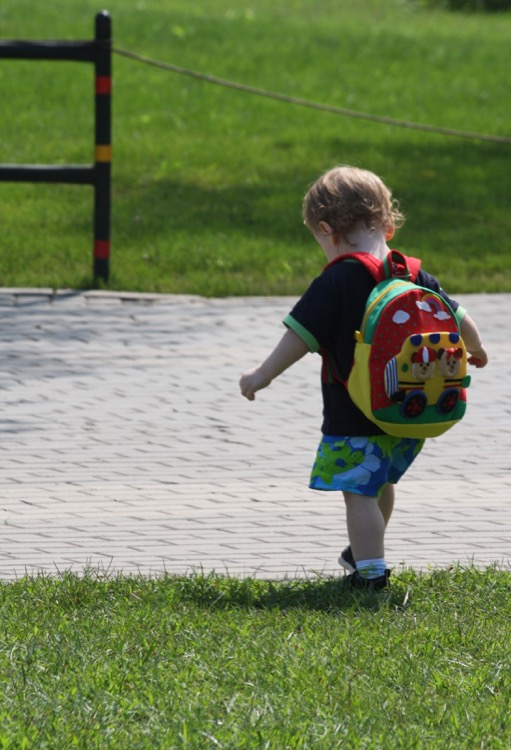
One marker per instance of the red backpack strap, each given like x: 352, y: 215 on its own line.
x: 401, y: 266
x: 370, y: 262
x: 414, y: 266
x: 395, y: 264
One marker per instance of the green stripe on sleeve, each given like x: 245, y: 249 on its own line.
x: 460, y: 314
x: 304, y: 334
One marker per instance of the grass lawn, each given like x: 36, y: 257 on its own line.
x: 208, y: 182
x: 211, y: 662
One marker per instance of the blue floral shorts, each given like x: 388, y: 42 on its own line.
x: 363, y: 465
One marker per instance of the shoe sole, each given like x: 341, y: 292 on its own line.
x: 345, y: 564
x: 375, y: 585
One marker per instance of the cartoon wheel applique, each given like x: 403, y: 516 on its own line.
x: 414, y: 404
x: 447, y: 401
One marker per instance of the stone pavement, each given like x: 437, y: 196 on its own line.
x: 127, y: 447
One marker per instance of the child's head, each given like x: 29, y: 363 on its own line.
x: 345, y: 197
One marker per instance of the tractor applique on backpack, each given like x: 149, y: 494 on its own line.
x: 409, y: 373
x: 429, y: 369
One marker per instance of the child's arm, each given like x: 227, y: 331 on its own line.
x: 289, y: 350
x: 472, y: 339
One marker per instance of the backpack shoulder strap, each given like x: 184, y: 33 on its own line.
x: 372, y: 264
x: 414, y: 265
x: 395, y: 264
x: 401, y: 266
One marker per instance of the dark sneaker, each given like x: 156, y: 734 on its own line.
x: 347, y: 560
x: 356, y: 581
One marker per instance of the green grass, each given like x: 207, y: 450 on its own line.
x: 215, y: 662
x: 208, y: 182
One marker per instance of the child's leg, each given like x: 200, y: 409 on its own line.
x: 366, y: 526
x: 386, y: 502
x: 386, y: 505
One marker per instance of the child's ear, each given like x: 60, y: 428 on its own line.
x: 325, y: 228
x: 389, y: 232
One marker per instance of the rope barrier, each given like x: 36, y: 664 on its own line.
x: 310, y: 104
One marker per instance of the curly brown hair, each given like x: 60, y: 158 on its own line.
x: 346, y: 196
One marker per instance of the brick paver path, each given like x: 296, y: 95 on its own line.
x: 127, y: 447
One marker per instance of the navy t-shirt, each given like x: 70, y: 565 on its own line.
x: 326, y: 318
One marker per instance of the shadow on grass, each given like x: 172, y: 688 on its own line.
x: 460, y: 582
x: 446, y: 185
x: 458, y: 585
x: 321, y: 594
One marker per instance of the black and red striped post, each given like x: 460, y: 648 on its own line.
x: 103, y: 145
x: 99, y: 52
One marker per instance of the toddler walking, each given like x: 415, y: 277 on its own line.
x: 351, y: 210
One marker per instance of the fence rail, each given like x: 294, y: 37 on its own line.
x: 50, y: 50
x: 98, y: 174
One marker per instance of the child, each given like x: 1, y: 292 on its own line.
x: 351, y: 210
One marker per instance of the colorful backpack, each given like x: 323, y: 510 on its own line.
x: 409, y: 372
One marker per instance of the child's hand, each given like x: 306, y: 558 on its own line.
x: 478, y: 358
x: 290, y: 349
x: 253, y: 381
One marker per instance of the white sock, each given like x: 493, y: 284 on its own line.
x: 371, y: 568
